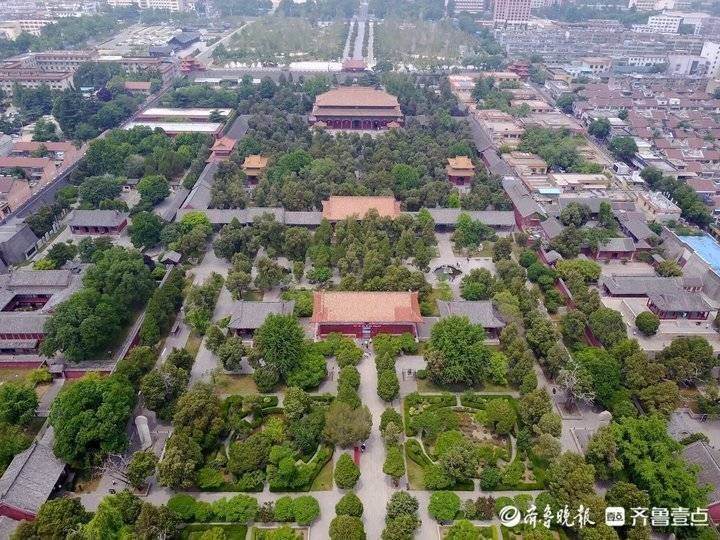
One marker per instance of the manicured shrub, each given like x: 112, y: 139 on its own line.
x: 444, y: 506
x: 347, y: 528
x: 306, y: 509
x: 349, y: 505
x: 347, y: 472
x: 183, y: 506
x: 647, y: 322
x: 388, y: 385
x: 284, y: 509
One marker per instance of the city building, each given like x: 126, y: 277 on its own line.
x: 30, y: 78
x: 616, y: 249
x: 527, y: 211
x: 97, y: 222
x: 673, y: 305
x: 163, y: 114
x: 246, y: 317
x: 176, y: 128
x: 169, y: 5
x: 356, y: 107
x: 469, y: 6
x: 665, y: 23
x: 12, y: 28
x: 337, y: 207
x: 511, y: 12
x: 711, y: 51
x: 33, y: 169
x: 57, y: 151
x: 657, y: 207
x: 365, y: 314
x: 460, y: 170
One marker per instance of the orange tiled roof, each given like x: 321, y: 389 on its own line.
x: 28, y: 146
x: 337, y: 208
x: 356, y: 96
x: 24, y: 162
x: 255, y: 162
x: 461, y: 162
x: 224, y: 143
x: 137, y: 85
x: 353, y: 307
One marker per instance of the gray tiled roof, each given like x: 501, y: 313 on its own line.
x: 708, y: 460
x: 479, y: 312
x: 31, y: 476
x: 552, y: 256
x: 97, y: 218
x: 302, y: 218
x: 493, y: 218
x: 638, y: 285
x: 251, y: 315
x: 39, y: 278
x: 551, y: 227
x: 679, y: 301
x: 200, y: 195
x: 20, y: 322
x: 520, y: 197
x: 637, y: 228
x: 618, y: 244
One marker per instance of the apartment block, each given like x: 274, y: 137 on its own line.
x: 511, y: 12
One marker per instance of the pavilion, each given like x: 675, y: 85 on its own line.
x: 460, y: 170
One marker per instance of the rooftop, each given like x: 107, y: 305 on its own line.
x: 251, y: 315
x: 706, y: 247
x: 178, y: 127
x: 97, y: 218
x: 362, y: 307
x: 254, y: 161
x: 679, y: 301
x: 168, y: 112
x: 337, y: 208
x: 479, y: 312
x: 356, y: 96
x: 31, y: 476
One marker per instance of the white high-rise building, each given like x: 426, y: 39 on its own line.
x: 511, y: 12
x: 664, y: 24
x: 170, y: 5
x: 711, y: 51
x: 469, y: 6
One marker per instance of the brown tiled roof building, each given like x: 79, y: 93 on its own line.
x: 356, y: 107
x: 365, y: 314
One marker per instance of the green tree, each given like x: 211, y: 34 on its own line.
x: 59, y: 517
x: 198, y: 415
x: 95, y: 189
x: 346, y: 473
x: 155, y: 522
x: 183, y: 457
x: 600, y: 128
x: 153, y: 188
x: 388, y: 385
x: 145, y: 229
x: 456, y: 353
x: 569, y: 478
x: 62, y: 252
x: 346, y: 425
x: 647, y: 322
x: 687, y: 359
x: 576, y: 214
x: 141, y: 466
x: 479, y: 284
x: 602, y: 453
x: 279, y: 342
x: 502, y: 249
x: 623, y: 148
x: 18, y: 402
x: 608, y: 326
x: 162, y: 387
x: 89, y: 419
x: 500, y: 415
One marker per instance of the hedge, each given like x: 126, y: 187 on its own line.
x: 416, y: 453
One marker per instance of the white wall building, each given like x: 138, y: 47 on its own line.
x: 469, y: 6
x: 711, y: 51
x: 665, y: 24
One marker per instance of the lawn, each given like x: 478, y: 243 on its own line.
x: 283, y: 40
x: 414, y: 474
x: 193, y: 344
x: 233, y: 531
x: 422, y: 43
x: 324, y: 480
x: 14, y: 374
x: 236, y: 384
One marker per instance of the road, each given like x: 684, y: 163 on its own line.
x: 205, y: 57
